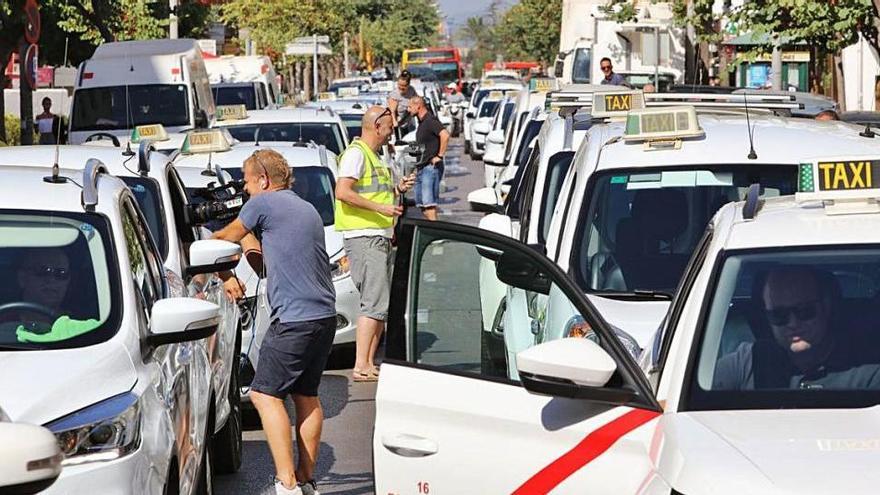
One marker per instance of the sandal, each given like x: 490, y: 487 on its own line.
x: 363, y: 376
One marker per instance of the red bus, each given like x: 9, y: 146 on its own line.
x: 444, y: 61
x: 523, y: 68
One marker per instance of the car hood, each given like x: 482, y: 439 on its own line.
x: 640, y: 319
x: 40, y: 386
x: 772, y: 452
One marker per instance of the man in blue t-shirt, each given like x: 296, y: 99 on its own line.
x: 295, y: 349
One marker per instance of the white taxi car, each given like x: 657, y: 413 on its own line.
x: 302, y: 124
x: 93, y: 346
x: 766, y: 379
x: 314, y: 173
x: 500, y: 146
x: 477, y: 97
x: 494, y: 144
x: 482, y: 122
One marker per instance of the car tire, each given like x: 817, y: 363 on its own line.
x: 226, y: 445
x: 467, y: 146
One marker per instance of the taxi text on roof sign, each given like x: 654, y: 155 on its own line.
x: 213, y: 140
x: 616, y: 104
x: 662, y: 124
x: 231, y: 112
x: 849, y: 184
x: 326, y: 96
x: 496, y: 94
x: 152, y: 132
x: 349, y: 92
x: 542, y: 84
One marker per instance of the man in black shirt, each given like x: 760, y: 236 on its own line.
x: 433, y: 137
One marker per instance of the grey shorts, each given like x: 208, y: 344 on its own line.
x: 370, y: 259
x: 293, y: 357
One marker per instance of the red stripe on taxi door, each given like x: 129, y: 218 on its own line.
x: 591, y: 447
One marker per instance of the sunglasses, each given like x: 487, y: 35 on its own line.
x: 803, y: 312
x: 45, y: 271
x: 386, y: 112
x: 606, y: 67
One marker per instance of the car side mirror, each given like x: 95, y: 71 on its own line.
x: 212, y: 255
x: 575, y: 368
x: 496, y: 136
x: 521, y: 272
x: 497, y: 223
x: 182, y: 319
x: 484, y: 199
x: 470, y: 115
x: 31, y: 458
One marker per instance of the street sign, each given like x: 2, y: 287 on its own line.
x: 32, y: 26
x: 307, y: 49
x: 310, y: 39
x: 30, y: 64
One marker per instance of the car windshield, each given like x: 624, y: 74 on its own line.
x: 320, y: 133
x: 352, y: 123
x: 313, y: 184
x: 236, y: 95
x: 108, y: 108
x: 146, y: 193
x: 61, y: 289
x: 641, y: 226
x: 487, y: 109
x: 791, y: 328
x: 446, y: 72
x: 423, y: 72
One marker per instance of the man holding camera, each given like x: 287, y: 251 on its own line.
x: 298, y: 342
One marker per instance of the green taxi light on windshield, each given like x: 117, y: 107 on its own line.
x: 805, y: 178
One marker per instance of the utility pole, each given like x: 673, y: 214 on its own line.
x: 315, y: 63
x: 172, y: 19
x: 657, y: 60
x: 345, y: 54
x: 776, y: 65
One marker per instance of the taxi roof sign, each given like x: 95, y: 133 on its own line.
x: 495, y: 94
x: 616, y: 103
x: 152, y: 132
x: 326, y: 96
x: 209, y: 141
x: 348, y: 92
x: 846, y: 184
x: 384, y: 86
x: 231, y: 112
x: 662, y: 124
x: 542, y: 84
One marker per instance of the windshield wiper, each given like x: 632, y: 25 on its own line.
x: 635, y: 294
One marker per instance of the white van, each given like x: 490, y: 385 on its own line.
x: 131, y: 83
x: 229, y: 74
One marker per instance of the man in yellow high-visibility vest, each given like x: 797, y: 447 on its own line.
x: 365, y: 212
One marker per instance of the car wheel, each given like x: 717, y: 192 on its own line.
x: 467, y: 146
x: 227, y: 444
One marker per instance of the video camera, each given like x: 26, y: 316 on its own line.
x: 216, y: 202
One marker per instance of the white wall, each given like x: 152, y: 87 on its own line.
x: 860, y: 68
x: 59, y: 97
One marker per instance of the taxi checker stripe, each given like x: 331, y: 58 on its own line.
x: 590, y: 448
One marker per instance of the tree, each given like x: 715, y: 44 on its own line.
x: 481, y: 36
x: 530, y: 30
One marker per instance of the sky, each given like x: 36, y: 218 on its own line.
x: 458, y: 11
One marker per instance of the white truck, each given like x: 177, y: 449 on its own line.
x: 249, y: 80
x: 130, y: 83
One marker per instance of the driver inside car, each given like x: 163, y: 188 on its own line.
x: 43, y: 277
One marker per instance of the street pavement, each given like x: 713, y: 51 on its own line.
x: 345, y: 459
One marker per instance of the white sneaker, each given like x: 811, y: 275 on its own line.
x: 280, y: 489
x: 309, y: 487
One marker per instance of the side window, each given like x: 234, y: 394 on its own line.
x: 146, y: 288
x: 186, y: 233
x: 514, y: 204
x: 557, y: 169
x: 528, y: 193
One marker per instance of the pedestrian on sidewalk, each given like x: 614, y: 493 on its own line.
x: 433, y: 137
x: 365, y: 212
x: 297, y: 344
x: 48, y: 124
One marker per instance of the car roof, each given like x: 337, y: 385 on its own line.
x: 283, y: 115
x: 552, y: 136
x: 23, y: 188
x: 782, y: 222
x: 296, y: 156
x: 74, y: 157
x: 726, y: 141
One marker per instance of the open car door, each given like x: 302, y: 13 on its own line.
x: 579, y: 416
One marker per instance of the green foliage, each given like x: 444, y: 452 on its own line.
x: 530, y: 30
x: 620, y: 10
x: 13, y: 131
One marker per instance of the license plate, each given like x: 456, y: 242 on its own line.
x: 847, y: 175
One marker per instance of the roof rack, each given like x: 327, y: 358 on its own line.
x: 753, y: 203
x: 322, y: 153
x: 145, y: 149
x: 700, y: 101
x: 94, y: 168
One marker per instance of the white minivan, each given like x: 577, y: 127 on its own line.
x: 131, y: 83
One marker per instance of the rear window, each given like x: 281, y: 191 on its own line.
x: 326, y: 134
x: 236, y: 95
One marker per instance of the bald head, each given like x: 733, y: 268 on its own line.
x: 376, y: 126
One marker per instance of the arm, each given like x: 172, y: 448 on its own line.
x: 234, y: 232
x: 345, y: 192
x: 392, y: 105
x: 444, y: 141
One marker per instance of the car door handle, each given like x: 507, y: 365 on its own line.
x: 406, y: 445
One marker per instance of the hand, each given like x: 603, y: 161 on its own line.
x: 391, y: 210
x: 233, y: 288
x: 406, y: 183
x: 436, y: 160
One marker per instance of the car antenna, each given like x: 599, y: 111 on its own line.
x: 257, y: 137
x: 868, y: 133
x: 55, y: 178
x: 209, y: 171
x: 129, y: 119
x: 752, y: 155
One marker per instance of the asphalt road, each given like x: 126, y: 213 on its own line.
x: 345, y: 459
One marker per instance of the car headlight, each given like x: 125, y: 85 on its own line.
x: 104, y: 431
x: 577, y: 327
x: 340, y: 269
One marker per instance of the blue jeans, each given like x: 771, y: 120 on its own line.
x: 428, y: 185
